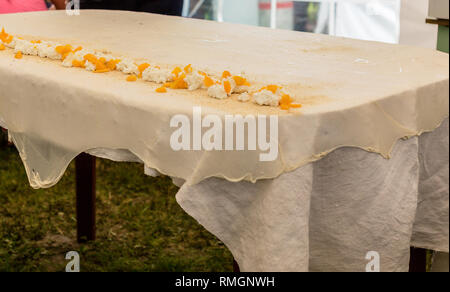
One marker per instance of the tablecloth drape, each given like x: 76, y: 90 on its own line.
x: 327, y: 215
x: 431, y: 226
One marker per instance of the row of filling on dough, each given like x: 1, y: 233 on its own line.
x: 178, y: 78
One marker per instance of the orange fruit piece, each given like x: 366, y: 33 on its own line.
x: 188, y: 69
x: 226, y: 74
x: 240, y: 81
x: 79, y: 64
x: 4, y: 37
x: 2, y: 47
x: 179, y: 83
x: 161, y: 89
x: 208, y: 81
x: 112, y: 64
x: 3, y: 34
x: 285, y: 99
x: 77, y: 49
x: 99, y: 66
x: 36, y: 42
x: 65, y: 55
x: 227, y: 87
x: 273, y: 88
x: 176, y: 71
x: 63, y: 50
x: 143, y: 66
x: 131, y: 78
x: 18, y: 55
x: 8, y: 39
x: 91, y: 58
x: 286, y: 102
x: 101, y: 70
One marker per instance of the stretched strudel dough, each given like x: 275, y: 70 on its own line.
x: 354, y: 93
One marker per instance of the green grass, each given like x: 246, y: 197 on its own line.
x: 140, y: 227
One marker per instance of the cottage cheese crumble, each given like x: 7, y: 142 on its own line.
x: 244, y: 97
x: 194, y: 81
x: 217, y: 91
x: 157, y: 75
x: 266, y: 97
x: 127, y: 66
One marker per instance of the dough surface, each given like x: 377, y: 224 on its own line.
x: 354, y: 93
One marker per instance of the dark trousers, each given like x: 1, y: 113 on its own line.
x: 168, y: 7
x: 301, y: 16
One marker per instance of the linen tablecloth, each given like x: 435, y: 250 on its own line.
x: 344, y: 182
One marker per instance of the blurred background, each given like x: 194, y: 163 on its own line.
x: 391, y: 21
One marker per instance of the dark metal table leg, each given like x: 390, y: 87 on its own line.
x: 418, y: 260
x: 85, y: 197
x: 235, y: 267
x: 4, y: 137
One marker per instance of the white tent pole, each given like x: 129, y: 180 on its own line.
x: 220, y: 11
x: 196, y: 8
x: 186, y: 7
x: 332, y: 19
x: 273, y: 13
